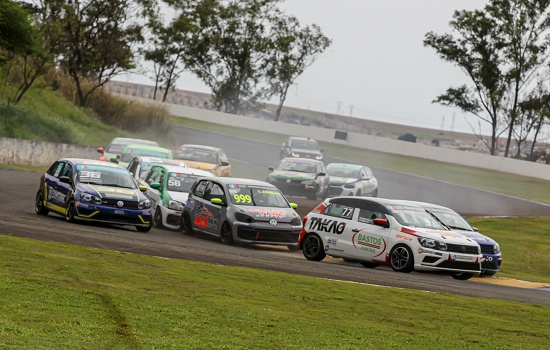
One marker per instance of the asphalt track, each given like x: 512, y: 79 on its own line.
x: 17, y: 218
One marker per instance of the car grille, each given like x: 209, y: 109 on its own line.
x: 113, y: 203
x: 459, y: 265
x: 487, y: 249
x: 464, y: 249
x: 491, y: 265
x: 266, y: 235
x: 335, y: 191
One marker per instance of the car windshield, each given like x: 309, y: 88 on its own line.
x: 305, y: 144
x: 415, y: 217
x: 106, y: 176
x: 196, y: 154
x: 118, y: 146
x: 257, y: 196
x: 451, y: 219
x: 343, y: 172
x: 143, y: 152
x: 178, y: 182
x: 302, y: 167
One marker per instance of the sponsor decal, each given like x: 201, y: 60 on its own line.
x: 332, y: 240
x: 204, y: 218
x: 270, y: 213
x: 273, y: 222
x: 327, y: 248
x: 190, y: 204
x: 462, y: 258
x: 56, y: 195
x: 369, y: 243
x: 406, y: 238
x: 111, y: 195
x: 428, y: 251
x: 327, y: 225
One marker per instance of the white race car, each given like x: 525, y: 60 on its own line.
x: 377, y: 231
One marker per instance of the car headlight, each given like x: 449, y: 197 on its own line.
x: 144, y: 204
x: 244, y: 218
x: 86, y: 197
x: 175, y: 205
x: 350, y: 184
x: 432, y: 243
x: 496, y: 249
x: 319, y: 157
x: 294, y: 154
x: 295, y: 221
x: 308, y: 182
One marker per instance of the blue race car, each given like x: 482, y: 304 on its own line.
x: 92, y: 190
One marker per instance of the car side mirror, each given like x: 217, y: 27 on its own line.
x: 155, y: 186
x: 114, y: 160
x: 142, y: 188
x: 381, y: 222
x: 271, y: 168
x: 217, y: 201
x: 65, y: 179
x: 100, y: 150
x: 293, y: 205
x: 322, y: 174
x: 475, y: 229
x: 225, y: 163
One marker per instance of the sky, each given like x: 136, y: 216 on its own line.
x: 377, y: 66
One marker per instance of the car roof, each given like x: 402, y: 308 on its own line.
x: 345, y: 165
x: 138, y: 141
x: 157, y: 160
x: 147, y: 147
x: 427, y: 205
x: 301, y: 138
x: 84, y: 161
x: 302, y: 160
x: 382, y: 201
x: 200, y: 147
x: 184, y: 170
x: 242, y: 181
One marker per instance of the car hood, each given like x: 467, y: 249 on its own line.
x: 478, y: 237
x: 451, y: 237
x: 198, y: 165
x: 292, y: 175
x: 114, y: 193
x: 306, y: 151
x: 338, y: 181
x: 283, y: 215
x: 179, y: 196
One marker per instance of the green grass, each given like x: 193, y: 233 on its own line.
x: 58, y: 296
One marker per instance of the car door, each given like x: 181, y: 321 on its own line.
x: 55, y: 199
x: 323, y: 177
x: 224, y: 164
x: 368, y: 181
x: 336, y: 225
x: 369, y: 240
x: 206, y: 215
x: 153, y: 194
x: 133, y: 168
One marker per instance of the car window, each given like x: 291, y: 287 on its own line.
x: 214, y: 191
x: 152, y: 176
x: 178, y: 182
x: 223, y: 157
x: 257, y: 196
x: 106, y: 176
x: 67, y: 170
x: 305, y: 144
x: 302, y: 167
x: 132, y: 167
x: 416, y: 217
x: 339, y: 171
x: 201, y: 189
x: 55, y: 169
x: 196, y: 154
x: 367, y: 216
x: 340, y: 210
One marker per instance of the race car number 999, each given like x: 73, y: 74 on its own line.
x: 241, y: 198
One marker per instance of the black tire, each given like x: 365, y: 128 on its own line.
x: 358, y: 194
x: 313, y: 194
x: 401, y: 258
x: 39, y: 207
x: 368, y: 264
x: 463, y: 276
x: 70, y: 212
x: 157, y: 218
x: 226, y: 234
x: 144, y: 228
x: 185, y: 225
x: 488, y: 273
x: 312, y: 247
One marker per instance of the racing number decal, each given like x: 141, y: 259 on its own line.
x: 241, y: 198
x: 89, y: 175
x: 347, y: 212
x: 174, y: 183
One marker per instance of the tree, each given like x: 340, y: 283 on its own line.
x: 16, y: 32
x: 230, y: 47
x: 97, y: 40
x: 533, y: 114
x: 293, y: 50
x: 500, y: 49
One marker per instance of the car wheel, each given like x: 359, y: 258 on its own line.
x: 312, y: 247
x: 401, y: 258
x: 157, y: 218
x: 39, y: 204
x: 488, y: 273
x: 70, y: 212
x: 358, y: 194
x: 463, y: 276
x: 368, y: 264
x: 226, y: 234
x: 313, y: 194
x: 144, y: 228
x: 185, y: 225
